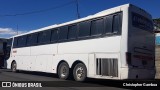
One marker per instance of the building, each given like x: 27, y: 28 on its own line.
x: 157, y: 47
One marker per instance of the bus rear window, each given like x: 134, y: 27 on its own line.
x: 141, y: 22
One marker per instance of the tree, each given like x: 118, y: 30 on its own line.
x: 157, y: 23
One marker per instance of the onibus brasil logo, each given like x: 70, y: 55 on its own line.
x: 20, y: 84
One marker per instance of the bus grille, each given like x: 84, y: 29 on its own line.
x: 107, y: 67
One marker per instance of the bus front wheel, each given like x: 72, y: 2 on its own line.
x: 14, y: 67
x: 80, y: 72
x: 63, y: 70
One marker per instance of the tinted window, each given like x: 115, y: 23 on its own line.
x: 141, y: 22
x: 84, y: 29
x: 22, y: 40
x: 44, y: 36
x: 63, y: 33
x: 54, y: 36
x: 97, y: 27
x: 116, y: 23
x: 32, y: 39
x: 15, y: 42
x: 72, y: 31
x: 108, y: 24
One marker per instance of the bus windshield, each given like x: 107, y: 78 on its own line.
x: 8, y: 48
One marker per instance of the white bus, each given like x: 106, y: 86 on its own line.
x: 117, y: 43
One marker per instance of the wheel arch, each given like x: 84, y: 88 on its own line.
x: 60, y: 63
x: 13, y: 62
x: 76, y: 62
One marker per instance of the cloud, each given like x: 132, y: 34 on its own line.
x: 7, y: 32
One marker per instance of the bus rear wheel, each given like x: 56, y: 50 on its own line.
x: 14, y: 67
x: 80, y: 72
x: 63, y: 70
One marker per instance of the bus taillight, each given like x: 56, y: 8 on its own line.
x: 128, y: 58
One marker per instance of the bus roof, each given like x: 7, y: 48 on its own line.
x: 99, y: 14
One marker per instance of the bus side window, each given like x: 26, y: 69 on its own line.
x: 54, y: 35
x: 72, y: 31
x: 115, y: 24
x: 22, y: 41
x: 97, y: 27
x: 44, y: 36
x: 84, y: 29
x: 63, y: 31
x: 32, y: 39
x: 108, y: 24
x: 29, y: 39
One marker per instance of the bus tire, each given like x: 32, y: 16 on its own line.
x: 63, y: 71
x: 80, y: 72
x: 14, y: 67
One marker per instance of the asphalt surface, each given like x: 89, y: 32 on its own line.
x: 57, y: 84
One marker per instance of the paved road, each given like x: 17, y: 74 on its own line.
x: 90, y: 84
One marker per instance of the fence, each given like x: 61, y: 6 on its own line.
x: 157, y: 63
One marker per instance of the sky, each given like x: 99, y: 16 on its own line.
x: 27, y: 15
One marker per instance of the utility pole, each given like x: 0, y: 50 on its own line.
x: 17, y: 29
x: 78, y: 14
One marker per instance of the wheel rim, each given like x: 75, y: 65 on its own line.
x: 79, y: 73
x: 14, y: 67
x: 64, y: 71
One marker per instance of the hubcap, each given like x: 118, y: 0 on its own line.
x: 14, y: 67
x: 63, y: 71
x: 79, y: 72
